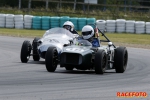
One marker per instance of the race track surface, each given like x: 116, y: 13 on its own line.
x: 31, y: 81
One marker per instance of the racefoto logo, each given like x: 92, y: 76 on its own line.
x: 132, y: 94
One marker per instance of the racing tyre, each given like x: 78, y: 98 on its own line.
x: 25, y: 51
x: 100, y: 62
x: 120, y: 59
x: 51, y: 59
x: 36, y: 56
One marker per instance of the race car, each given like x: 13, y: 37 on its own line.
x: 54, y: 37
x: 88, y: 56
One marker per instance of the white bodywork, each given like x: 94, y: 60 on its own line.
x: 55, y: 37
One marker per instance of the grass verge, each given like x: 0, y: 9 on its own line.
x: 122, y: 39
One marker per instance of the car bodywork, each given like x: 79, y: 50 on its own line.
x: 85, y: 55
x: 55, y: 37
x: 82, y: 56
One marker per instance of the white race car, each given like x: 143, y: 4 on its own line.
x: 55, y: 37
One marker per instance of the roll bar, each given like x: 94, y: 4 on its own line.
x: 102, y: 34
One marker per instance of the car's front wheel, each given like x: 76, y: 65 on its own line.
x: 51, y: 59
x: 120, y: 59
x: 25, y: 51
x: 100, y: 62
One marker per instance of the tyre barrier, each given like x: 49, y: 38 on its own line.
x: 36, y: 22
x: 2, y: 20
x: 55, y: 22
x: 63, y: 19
x: 101, y: 24
x: 45, y: 22
x: 18, y: 21
x: 28, y: 21
x: 74, y: 20
x: 148, y: 27
x: 9, y: 20
x: 120, y: 25
x: 111, y: 26
x: 139, y: 27
x: 130, y: 26
x: 91, y: 21
x: 81, y: 23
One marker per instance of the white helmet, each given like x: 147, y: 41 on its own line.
x: 87, y: 32
x: 68, y: 25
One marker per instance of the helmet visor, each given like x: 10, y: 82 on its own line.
x: 67, y: 27
x: 87, y: 33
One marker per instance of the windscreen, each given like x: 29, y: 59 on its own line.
x: 58, y: 30
x: 83, y: 43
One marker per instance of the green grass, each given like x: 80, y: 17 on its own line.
x: 114, y: 37
x: 21, y: 32
x: 130, y: 38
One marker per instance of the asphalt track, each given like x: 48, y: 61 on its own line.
x: 31, y: 81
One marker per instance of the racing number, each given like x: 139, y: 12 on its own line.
x: 54, y: 41
x: 75, y: 49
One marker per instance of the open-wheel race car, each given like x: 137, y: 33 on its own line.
x: 54, y: 37
x: 88, y: 56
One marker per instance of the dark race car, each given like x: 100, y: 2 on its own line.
x: 84, y: 55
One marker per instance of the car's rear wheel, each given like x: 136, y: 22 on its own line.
x: 36, y: 56
x: 25, y: 51
x: 51, y: 59
x: 100, y: 62
x: 120, y: 59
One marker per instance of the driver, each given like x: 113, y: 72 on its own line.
x: 70, y: 26
x: 92, y: 36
